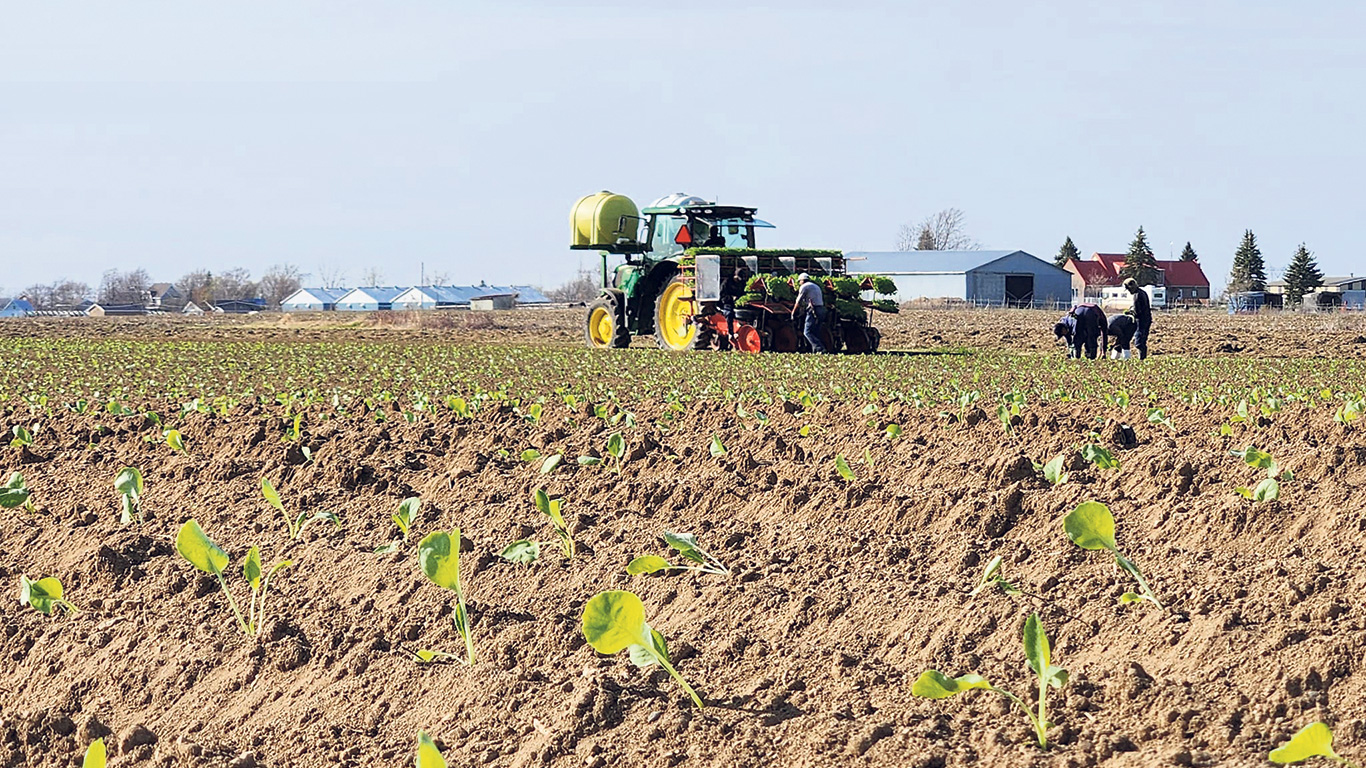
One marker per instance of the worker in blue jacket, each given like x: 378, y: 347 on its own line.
x: 1084, y: 329
x: 1122, y: 329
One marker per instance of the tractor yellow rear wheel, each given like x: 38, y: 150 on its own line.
x: 674, y: 312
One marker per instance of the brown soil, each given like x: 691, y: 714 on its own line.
x: 842, y: 594
x: 1199, y: 333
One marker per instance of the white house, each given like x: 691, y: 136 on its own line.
x: 313, y: 300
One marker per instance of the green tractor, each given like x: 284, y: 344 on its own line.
x: 678, y: 251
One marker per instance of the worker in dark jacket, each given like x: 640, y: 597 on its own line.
x: 732, y: 289
x: 1083, y: 328
x: 1122, y: 328
x: 1143, y: 315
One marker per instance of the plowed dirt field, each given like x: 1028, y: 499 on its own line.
x: 843, y: 589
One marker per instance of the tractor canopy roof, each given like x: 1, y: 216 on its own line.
x: 709, y: 211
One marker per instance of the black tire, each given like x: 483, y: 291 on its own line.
x: 606, y: 306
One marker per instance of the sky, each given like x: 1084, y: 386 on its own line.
x: 453, y: 137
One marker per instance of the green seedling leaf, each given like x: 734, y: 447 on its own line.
x: 614, y: 621
x: 992, y: 575
x: 530, y: 455
x: 642, y: 656
x: 15, y: 493
x: 1099, y: 456
x: 196, y: 546
x: 933, y: 684
x: 43, y: 595
x: 893, y: 431
x: 428, y: 756
x: 251, y: 568
x: 1313, y: 740
x: 407, y: 512
x: 439, y: 556
x: 174, y: 439
x: 717, y: 448
x: 551, y: 463
x: 1255, y: 458
x: 842, y: 467
x: 589, y: 461
x: 390, y: 548
x: 616, y: 445
x: 22, y: 437
x: 522, y: 551
x: 128, y: 482
x: 1091, y: 526
x: 1267, y: 490
x: 424, y: 656
x: 272, y: 498
x: 1053, y: 471
x: 647, y: 564
x: 95, y: 755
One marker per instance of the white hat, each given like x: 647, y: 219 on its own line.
x: 803, y: 277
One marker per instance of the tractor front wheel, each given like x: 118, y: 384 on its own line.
x: 674, y: 311
x: 605, y: 327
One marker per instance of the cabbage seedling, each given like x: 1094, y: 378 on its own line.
x: 614, y: 621
x: 933, y: 684
x: 842, y: 467
x: 1099, y: 456
x: 128, y: 483
x: 992, y: 576
x: 1053, y: 471
x: 195, y: 546
x: 428, y: 756
x: 15, y: 493
x: 551, y: 463
x: 176, y: 441
x: 260, y: 585
x: 22, y: 437
x: 43, y: 595
x: 687, y: 546
x: 407, y: 511
x: 551, y: 508
x: 438, y: 555
x: 717, y: 448
x: 1313, y: 740
x: 95, y: 755
x: 1091, y: 526
x: 616, y: 448
x: 1159, y: 416
x: 425, y: 656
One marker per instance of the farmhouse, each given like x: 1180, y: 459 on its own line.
x: 1336, y: 291
x: 15, y: 308
x: 1003, y: 278
x: 1185, y: 281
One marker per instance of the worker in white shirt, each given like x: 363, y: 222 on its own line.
x: 811, y: 301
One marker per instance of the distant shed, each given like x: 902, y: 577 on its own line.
x: 1002, y: 278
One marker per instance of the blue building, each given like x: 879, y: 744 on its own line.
x: 369, y: 299
x: 1001, y: 278
x: 15, y: 308
x: 313, y: 300
x: 460, y: 296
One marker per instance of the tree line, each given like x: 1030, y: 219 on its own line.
x: 202, y: 286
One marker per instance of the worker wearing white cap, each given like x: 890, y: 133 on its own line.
x: 810, y: 299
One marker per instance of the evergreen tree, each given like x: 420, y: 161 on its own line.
x: 1140, y: 264
x: 1188, y: 253
x: 1302, y: 275
x: 1249, y: 271
x: 1066, y: 253
x: 926, y: 240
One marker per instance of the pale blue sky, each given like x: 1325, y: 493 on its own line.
x: 175, y: 135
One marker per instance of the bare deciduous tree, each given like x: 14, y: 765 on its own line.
x: 234, y: 283
x: 331, y: 276
x: 583, y: 287
x: 372, y: 276
x: 62, y: 294
x: 439, y: 278
x: 124, y: 287
x: 278, y: 283
x: 944, y: 231
x: 197, y: 286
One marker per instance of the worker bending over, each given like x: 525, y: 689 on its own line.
x: 1122, y: 328
x: 1082, y: 328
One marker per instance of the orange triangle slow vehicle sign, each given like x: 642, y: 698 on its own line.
x: 684, y: 236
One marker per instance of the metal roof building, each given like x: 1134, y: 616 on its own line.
x: 1003, y: 278
x: 368, y: 299
x: 312, y: 300
x: 452, y: 296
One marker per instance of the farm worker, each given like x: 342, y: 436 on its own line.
x: 732, y: 289
x: 810, y: 298
x: 1122, y: 329
x: 1143, y: 315
x: 1082, y: 328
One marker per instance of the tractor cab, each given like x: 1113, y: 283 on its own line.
x: 678, y: 222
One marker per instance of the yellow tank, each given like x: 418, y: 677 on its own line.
x: 603, y: 221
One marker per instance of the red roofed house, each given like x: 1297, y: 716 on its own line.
x: 1185, y: 281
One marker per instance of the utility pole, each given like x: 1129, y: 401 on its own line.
x: 423, y: 268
